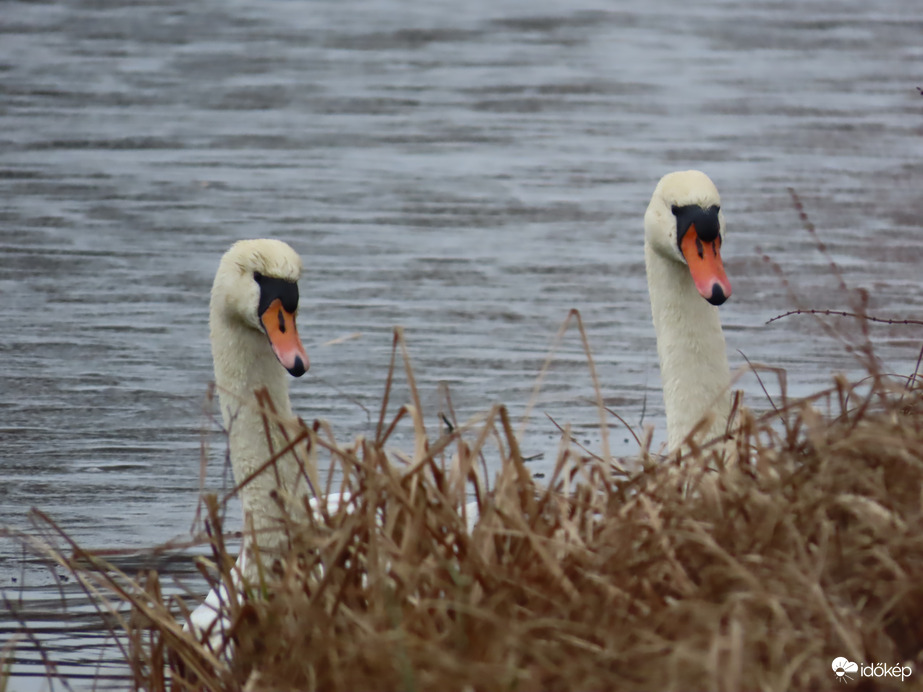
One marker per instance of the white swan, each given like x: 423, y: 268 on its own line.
x: 254, y: 303
x: 254, y: 339
x: 683, y: 233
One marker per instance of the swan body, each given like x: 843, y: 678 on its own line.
x: 683, y: 233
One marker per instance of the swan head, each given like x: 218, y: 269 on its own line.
x: 256, y: 288
x: 684, y: 223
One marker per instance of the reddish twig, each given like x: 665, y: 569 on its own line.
x: 843, y: 313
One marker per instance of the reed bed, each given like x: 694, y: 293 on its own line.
x: 750, y: 563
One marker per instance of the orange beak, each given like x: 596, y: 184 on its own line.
x: 279, y: 325
x: 704, y: 260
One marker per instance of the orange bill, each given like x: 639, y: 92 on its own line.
x: 279, y: 325
x: 704, y: 260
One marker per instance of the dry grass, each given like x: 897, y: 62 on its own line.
x: 749, y: 564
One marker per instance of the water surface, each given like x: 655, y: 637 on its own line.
x: 471, y: 171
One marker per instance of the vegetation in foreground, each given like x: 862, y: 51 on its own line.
x: 751, y: 563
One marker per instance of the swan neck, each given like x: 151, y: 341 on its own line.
x: 256, y: 410
x: 691, y: 348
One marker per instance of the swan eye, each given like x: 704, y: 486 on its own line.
x: 273, y: 287
x: 704, y: 219
x: 674, y: 209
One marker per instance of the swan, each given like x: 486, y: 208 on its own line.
x: 683, y: 233
x: 255, y: 347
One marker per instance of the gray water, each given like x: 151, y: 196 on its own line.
x: 470, y: 171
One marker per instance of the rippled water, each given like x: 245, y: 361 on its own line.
x: 471, y: 171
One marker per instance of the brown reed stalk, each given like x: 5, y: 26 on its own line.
x: 680, y: 574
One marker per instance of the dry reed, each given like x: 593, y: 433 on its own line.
x: 748, y: 564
